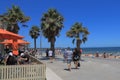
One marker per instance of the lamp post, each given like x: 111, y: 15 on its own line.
x: 40, y: 41
x: 40, y: 38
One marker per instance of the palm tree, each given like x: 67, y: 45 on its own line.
x: 34, y: 33
x: 51, y: 25
x: 78, y: 33
x: 12, y: 18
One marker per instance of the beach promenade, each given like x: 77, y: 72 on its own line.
x: 91, y: 69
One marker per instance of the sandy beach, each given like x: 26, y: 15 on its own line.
x: 91, y: 69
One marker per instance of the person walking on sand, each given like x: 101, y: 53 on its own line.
x: 65, y: 56
x: 76, y: 58
x: 50, y: 53
x: 69, y: 55
x: 47, y: 52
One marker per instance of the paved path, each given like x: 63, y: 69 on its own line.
x: 92, y: 69
x: 52, y: 75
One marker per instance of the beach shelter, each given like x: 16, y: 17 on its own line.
x: 4, y: 34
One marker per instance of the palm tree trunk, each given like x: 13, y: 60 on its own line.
x: 53, y: 46
x: 78, y: 43
x: 34, y: 44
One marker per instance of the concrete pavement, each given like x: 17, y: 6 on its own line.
x: 50, y: 75
x: 92, y: 69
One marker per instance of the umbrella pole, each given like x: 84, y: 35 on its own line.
x: 2, y: 49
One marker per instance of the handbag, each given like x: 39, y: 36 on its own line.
x: 78, y: 64
x: 76, y: 57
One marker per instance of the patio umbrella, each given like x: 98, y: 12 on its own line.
x: 20, y: 41
x: 15, y: 44
x: 9, y: 42
x: 15, y: 47
x: 4, y: 34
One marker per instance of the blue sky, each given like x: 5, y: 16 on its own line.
x: 101, y: 17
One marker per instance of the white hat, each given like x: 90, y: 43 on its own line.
x: 21, y: 54
x: 10, y: 53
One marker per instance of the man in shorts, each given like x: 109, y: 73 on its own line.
x: 69, y: 55
x: 50, y: 53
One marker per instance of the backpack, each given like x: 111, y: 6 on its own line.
x: 76, y: 57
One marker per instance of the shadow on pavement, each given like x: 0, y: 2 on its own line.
x: 44, y: 58
x: 59, y: 59
x: 66, y: 69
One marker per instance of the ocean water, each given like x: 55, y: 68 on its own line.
x: 101, y: 50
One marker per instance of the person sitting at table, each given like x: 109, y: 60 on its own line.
x: 10, y: 59
x: 24, y: 58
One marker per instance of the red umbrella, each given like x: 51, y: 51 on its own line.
x: 4, y: 34
x: 15, y: 47
x: 19, y: 41
x: 14, y: 44
x: 9, y: 35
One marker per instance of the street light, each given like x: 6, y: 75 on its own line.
x: 40, y: 38
x: 40, y: 41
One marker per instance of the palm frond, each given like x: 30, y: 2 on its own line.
x: 78, y: 32
x: 51, y: 23
x: 73, y: 41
